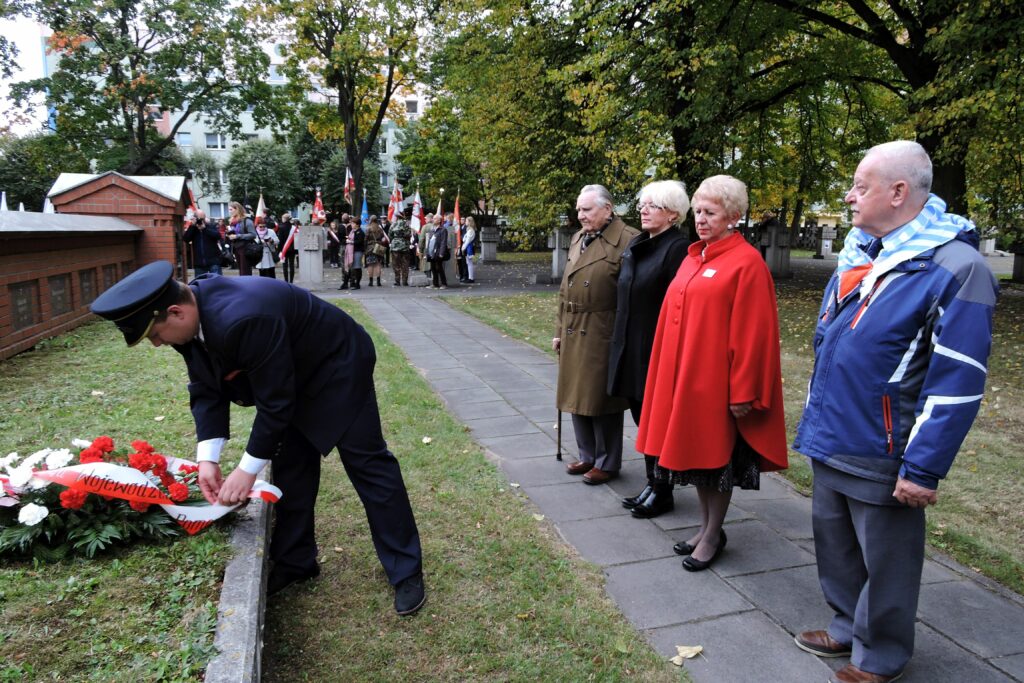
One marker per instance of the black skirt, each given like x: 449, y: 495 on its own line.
x: 742, y: 470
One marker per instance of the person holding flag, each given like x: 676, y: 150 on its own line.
x: 416, y: 223
x: 350, y: 186
x: 286, y: 230
x: 401, y: 250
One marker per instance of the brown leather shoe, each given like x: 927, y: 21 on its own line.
x: 579, y: 467
x: 597, y: 476
x: 822, y: 644
x: 853, y: 674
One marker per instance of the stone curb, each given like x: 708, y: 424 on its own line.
x: 239, y: 635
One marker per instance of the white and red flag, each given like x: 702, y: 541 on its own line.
x: 350, y: 185
x: 418, y: 217
x: 261, y: 210
x: 395, y: 205
x: 190, y: 214
x: 319, y: 215
x: 456, y: 221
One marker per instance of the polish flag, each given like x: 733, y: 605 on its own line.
x: 350, y: 185
x: 418, y: 217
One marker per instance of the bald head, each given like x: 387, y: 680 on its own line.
x: 890, y: 187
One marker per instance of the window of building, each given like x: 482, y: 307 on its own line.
x: 109, y: 276
x: 87, y: 285
x: 222, y: 176
x: 275, y: 74
x: 24, y: 304
x: 385, y: 179
x: 218, y: 210
x: 60, y: 294
x: 249, y: 137
x: 183, y: 139
x: 383, y: 142
x: 126, y: 268
x: 216, y: 141
x: 412, y: 106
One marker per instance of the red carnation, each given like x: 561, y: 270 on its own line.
x: 90, y: 454
x: 73, y: 499
x: 142, y: 446
x: 104, y: 443
x: 138, y: 506
x: 177, y: 492
x: 159, y: 464
x: 140, y: 461
x: 167, y: 479
x: 188, y: 469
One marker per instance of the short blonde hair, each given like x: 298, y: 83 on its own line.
x: 730, y: 192
x: 669, y: 195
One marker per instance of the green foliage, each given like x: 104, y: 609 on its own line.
x: 30, y: 165
x: 267, y: 167
x: 122, y: 62
x: 332, y: 182
x: 204, y: 169
x: 359, y: 53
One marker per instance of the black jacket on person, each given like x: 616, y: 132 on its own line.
x: 205, y: 240
x: 649, y: 265
x: 358, y: 240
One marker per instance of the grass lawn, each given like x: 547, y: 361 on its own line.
x: 144, y: 612
x: 979, y: 520
x: 507, y: 600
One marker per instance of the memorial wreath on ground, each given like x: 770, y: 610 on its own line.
x: 52, y: 507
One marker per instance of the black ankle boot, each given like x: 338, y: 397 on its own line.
x: 633, y: 501
x: 344, y: 281
x: 656, y: 504
x: 378, y: 281
x: 357, y: 275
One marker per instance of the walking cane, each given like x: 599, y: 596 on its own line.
x: 558, y: 428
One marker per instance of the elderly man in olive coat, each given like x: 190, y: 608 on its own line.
x: 586, y: 318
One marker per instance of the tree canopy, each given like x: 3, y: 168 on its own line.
x: 123, y: 62
x: 266, y: 167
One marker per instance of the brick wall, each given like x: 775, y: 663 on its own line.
x: 41, y: 257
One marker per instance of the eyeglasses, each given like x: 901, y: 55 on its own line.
x: 649, y: 206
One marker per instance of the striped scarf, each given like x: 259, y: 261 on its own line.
x: 930, y: 229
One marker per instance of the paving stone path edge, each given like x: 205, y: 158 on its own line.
x: 239, y: 634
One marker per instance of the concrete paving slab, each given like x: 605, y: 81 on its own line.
x: 488, y: 427
x: 687, y: 514
x: 740, y: 648
x: 938, y: 659
x: 618, y: 539
x: 977, y: 619
x: 474, y: 411
x: 791, y: 597
x: 772, y: 486
x: 536, y: 397
x: 573, y: 501
x: 453, y: 396
x: 660, y: 592
x: 789, y: 516
x: 539, y: 471
x: 755, y: 547
x: 522, y: 446
x: 934, y: 572
x: 1012, y: 665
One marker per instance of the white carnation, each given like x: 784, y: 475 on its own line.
x: 32, y: 514
x: 58, y: 458
x: 80, y: 443
x: 36, y: 458
x: 8, y: 460
x: 19, y: 476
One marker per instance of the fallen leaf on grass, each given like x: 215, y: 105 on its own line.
x: 97, y: 392
x: 539, y: 518
x: 622, y: 646
x: 523, y: 616
x: 514, y: 485
x: 337, y: 548
x: 686, y: 652
x: 427, y: 439
x: 159, y: 418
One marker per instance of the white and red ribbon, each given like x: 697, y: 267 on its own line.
x: 128, y: 483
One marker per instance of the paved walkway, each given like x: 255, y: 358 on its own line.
x: 762, y: 590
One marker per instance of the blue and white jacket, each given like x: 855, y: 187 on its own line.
x: 899, y: 371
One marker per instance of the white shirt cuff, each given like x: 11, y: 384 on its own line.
x: 209, y: 450
x: 251, y: 465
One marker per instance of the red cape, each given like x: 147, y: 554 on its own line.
x: 717, y: 343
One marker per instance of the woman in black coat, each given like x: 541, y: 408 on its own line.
x: 648, y: 265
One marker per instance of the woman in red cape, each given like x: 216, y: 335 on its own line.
x: 712, y: 410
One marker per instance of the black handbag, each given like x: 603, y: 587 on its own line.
x: 253, y: 251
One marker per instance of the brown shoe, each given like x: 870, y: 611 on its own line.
x: 597, y: 476
x: 579, y: 467
x: 822, y: 644
x: 853, y: 674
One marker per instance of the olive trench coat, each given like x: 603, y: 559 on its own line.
x: 586, y: 319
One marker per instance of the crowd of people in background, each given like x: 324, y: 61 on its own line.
x: 255, y: 244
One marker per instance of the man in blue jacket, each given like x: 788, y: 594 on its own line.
x: 308, y: 369
x: 901, y: 347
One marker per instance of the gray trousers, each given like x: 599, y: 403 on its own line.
x: 870, y: 557
x: 599, y: 438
